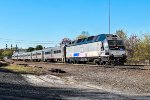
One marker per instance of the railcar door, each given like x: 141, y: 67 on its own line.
x: 64, y: 53
x: 52, y: 53
x: 42, y: 55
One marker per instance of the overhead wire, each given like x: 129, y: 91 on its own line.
x: 4, y: 40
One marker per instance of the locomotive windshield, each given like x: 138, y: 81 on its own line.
x: 116, y: 45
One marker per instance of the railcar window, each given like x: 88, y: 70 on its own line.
x: 73, y: 42
x: 101, y: 37
x: 59, y: 51
x: 90, y: 38
x: 55, y: 52
x: 80, y: 40
x: 38, y: 53
x: 47, y: 53
x: 34, y: 54
x: 83, y: 40
x: 97, y: 37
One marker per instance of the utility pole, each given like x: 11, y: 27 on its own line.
x: 11, y: 47
x: 17, y: 48
x: 6, y: 46
x: 109, y: 16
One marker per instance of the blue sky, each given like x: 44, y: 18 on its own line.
x: 48, y: 21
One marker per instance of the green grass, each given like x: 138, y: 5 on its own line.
x: 22, y: 69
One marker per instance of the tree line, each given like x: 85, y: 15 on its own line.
x: 137, y: 47
x: 5, y: 52
x: 8, y: 52
x: 38, y: 47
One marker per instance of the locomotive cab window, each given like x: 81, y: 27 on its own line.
x: 116, y: 45
x: 115, y: 42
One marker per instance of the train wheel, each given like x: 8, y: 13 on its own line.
x: 106, y: 63
x: 112, y: 63
x: 76, y: 62
x: 68, y: 61
x: 84, y: 62
x: 101, y: 63
x: 121, y: 63
x: 96, y: 62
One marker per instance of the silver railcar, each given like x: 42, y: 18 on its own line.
x: 100, y: 49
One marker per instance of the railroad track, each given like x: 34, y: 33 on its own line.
x: 124, y: 67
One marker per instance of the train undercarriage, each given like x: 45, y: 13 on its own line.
x: 106, y: 60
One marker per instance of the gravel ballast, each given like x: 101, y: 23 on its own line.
x: 127, y: 79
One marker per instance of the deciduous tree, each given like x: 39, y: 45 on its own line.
x: 65, y: 41
x: 7, y: 52
x: 121, y: 34
x: 39, y: 47
x: 84, y: 34
x: 30, y: 49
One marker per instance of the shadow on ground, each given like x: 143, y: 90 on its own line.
x: 24, y: 92
x: 14, y: 87
x: 3, y: 64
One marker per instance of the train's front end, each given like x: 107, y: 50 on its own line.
x: 115, y: 48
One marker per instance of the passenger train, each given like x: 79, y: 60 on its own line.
x: 103, y: 49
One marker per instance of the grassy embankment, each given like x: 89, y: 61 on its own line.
x: 22, y: 69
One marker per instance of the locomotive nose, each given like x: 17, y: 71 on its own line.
x: 117, y: 53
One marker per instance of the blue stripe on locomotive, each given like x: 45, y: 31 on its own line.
x: 76, y: 54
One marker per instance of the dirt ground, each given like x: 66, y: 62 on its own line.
x: 125, y: 79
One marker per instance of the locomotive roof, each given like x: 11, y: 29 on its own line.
x: 91, y: 39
